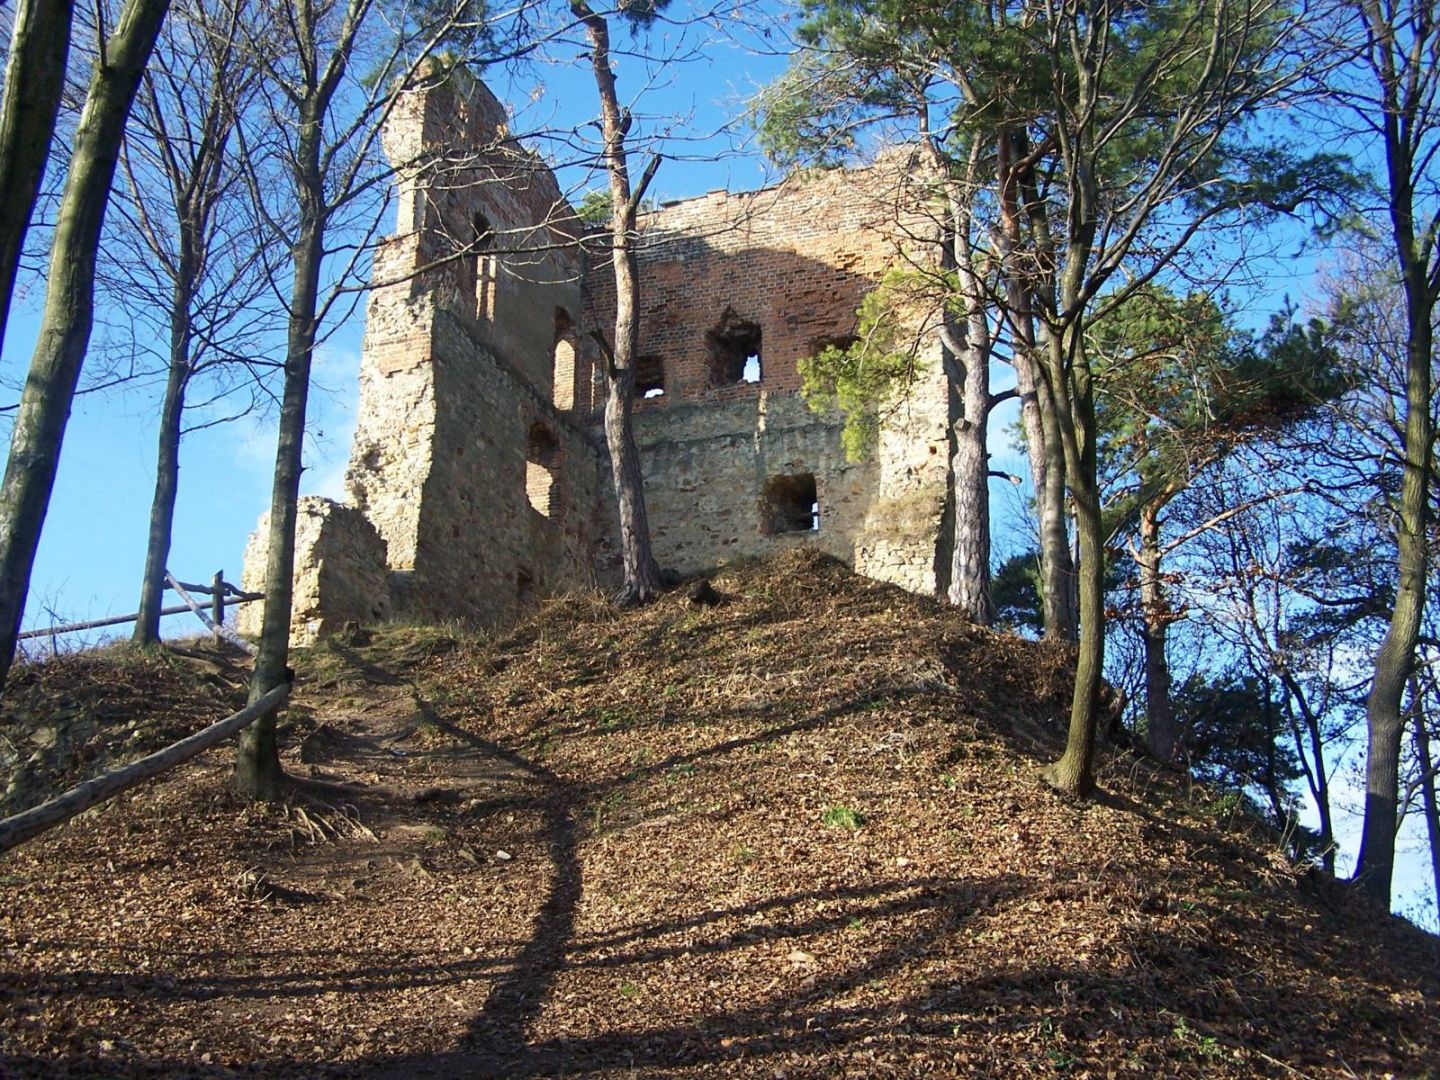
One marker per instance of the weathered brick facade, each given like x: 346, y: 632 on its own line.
x: 478, y: 456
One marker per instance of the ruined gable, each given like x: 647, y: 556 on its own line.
x: 736, y: 289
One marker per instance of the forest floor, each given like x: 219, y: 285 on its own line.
x: 799, y: 834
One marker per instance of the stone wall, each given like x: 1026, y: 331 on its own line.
x: 794, y: 262
x: 458, y: 372
x: 340, y: 572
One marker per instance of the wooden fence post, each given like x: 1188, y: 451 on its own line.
x: 217, y: 602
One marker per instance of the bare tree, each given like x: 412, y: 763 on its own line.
x: 333, y: 70
x: 186, y: 260
x: 69, y: 307
x: 642, y: 574
x: 1396, y: 93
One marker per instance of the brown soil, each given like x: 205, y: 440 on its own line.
x: 799, y: 834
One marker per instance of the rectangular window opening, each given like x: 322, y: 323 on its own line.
x: 649, y: 377
x: 734, y: 351
x: 790, y: 505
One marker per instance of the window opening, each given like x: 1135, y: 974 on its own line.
x: 734, y: 348
x: 649, y: 377
x: 485, y: 276
x: 542, y: 460
x: 566, y: 350
x: 524, y: 589
x: 791, y: 504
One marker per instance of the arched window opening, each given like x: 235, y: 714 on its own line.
x: 542, y: 471
x: 566, y: 354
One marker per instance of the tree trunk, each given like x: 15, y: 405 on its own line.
x: 642, y: 574
x: 1020, y: 201
x: 1162, y: 732
x: 1317, y: 776
x: 1427, y: 795
x: 1057, y: 567
x: 34, y: 80
x: 1074, y: 773
x: 69, y: 309
x: 1407, y: 95
x: 1376, y: 863
x: 167, y: 461
x: 1068, y: 373
x: 1274, y: 789
x: 258, y: 774
x: 970, y: 474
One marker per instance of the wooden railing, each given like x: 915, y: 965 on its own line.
x: 31, y: 823
x: 222, y: 595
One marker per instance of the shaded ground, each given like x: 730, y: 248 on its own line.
x: 796, y: 835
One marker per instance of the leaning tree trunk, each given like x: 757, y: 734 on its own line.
x: 167, y: 461
x: 1162, y: 731
x: 1376, y: 863
x: 69, y: 309
x: 34, y: 81
x: 642, y: 574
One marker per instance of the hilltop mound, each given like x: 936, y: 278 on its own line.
x: 796, y: 834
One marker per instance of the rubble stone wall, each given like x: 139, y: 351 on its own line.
x: 459, y: 365
x: 340, y: 573
x: 795, y: 261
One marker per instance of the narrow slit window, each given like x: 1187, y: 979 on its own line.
x: 542, y: 468
x: 482, y: 241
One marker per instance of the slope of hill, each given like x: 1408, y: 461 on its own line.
x: 799, y: 834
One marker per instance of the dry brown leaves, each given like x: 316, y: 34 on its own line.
x: 795, y: 835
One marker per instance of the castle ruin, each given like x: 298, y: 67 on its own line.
x: 478, y: 480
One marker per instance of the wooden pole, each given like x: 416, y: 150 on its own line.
x: 116, y: 620
x: 220, y: 630
x: 217, y: 602
x: 16, y: 830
